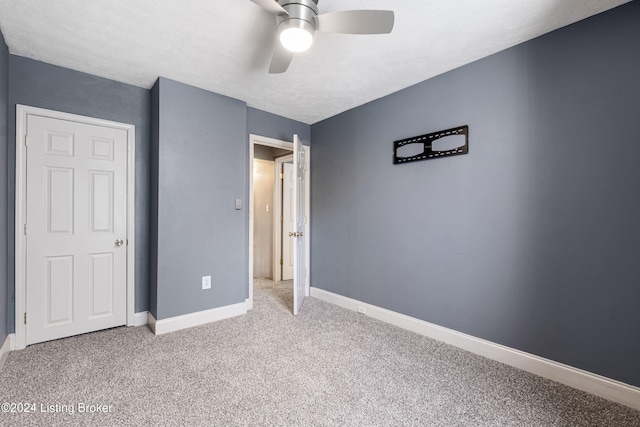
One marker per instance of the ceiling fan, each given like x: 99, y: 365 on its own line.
x: 298, y: 20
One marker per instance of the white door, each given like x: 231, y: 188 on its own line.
x: 75, y: 228
x: 288, y: 226
x: 299, y: 262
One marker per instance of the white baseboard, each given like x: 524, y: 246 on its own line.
x: 151, y: 322
x: 598, y: 385
x: 5, y: 349
x: 140, y: 318
x: 190, y: 320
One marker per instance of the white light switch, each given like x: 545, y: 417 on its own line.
x: 238, y: 204
x: 206, y: 282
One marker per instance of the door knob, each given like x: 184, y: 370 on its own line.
x: 119, y: 242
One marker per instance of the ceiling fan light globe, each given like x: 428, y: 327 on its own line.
x: 296, y: 39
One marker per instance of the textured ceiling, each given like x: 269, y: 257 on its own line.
x: 225, y: 46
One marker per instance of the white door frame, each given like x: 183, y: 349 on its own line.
x: 277, y: 213
x: 22, y: 111
x: 287, y: 145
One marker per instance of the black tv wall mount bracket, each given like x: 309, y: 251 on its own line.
x: 422, y: 147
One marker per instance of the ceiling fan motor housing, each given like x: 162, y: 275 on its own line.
x: 302, y: 14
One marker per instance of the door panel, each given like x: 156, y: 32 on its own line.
x: 288, y: 226
x: 59, y: 290
x: 75, y: 215
x: 59, y: 200
x: 101, y: 283
x: 101, y: 201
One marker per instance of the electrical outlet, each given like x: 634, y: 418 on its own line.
x: 362, y: 310
x: 206, y: 282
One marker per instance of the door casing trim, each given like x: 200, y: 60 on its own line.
x: 22, y: 111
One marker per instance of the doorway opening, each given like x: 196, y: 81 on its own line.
x: 269, y: 210
x: 271, y: 205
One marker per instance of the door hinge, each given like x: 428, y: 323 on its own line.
x: 281, y: 218
x: 281, y: 261
x: 25, y: 318
x: 281, y: 175
x: 26, y: 140
x: 25, y: 228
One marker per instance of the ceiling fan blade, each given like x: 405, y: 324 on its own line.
x: 281, y: 60
x: 271, y: 6
x: 356, y: 22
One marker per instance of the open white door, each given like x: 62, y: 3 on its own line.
x: 299, y: 261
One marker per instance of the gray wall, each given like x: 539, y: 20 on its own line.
x: 202, y: 167
x: 4, y: 142
x: 43, y: 85
x: 532, y: 240
x: 273, y: 126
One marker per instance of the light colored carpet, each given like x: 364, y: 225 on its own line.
x: 328, y: 366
